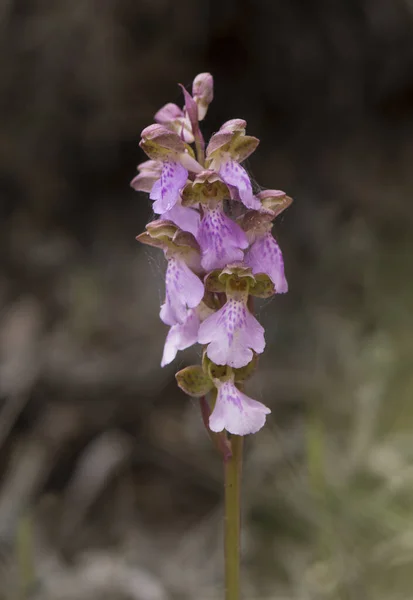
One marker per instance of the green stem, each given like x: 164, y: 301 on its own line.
x: 233, y: 469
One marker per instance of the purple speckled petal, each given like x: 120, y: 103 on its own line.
x: 181, y: 336
x: 166, y: 190
x: 233, y: 174
x: 236, y: 412
x: 231, y: 334
x: 185, y: 218
x: 221, y: 240
x: 183, y: 289
x: 265, y: 256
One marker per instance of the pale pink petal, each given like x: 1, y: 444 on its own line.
x: 174, y: 118
x: 143, y: 182
x: 221, y: 240
x: 169, y: 112
x: 166, y: 190
x: 209, y: 326
x: 231, y: 334
x: 149, y: 172
x: 184, y: 217
x: 265, y: 256
x: 190, y: 163
x: 183, y: 290
x: 233, y: 174
x: 236, y: 412
x: 180, y: 336
x: 254, y: 332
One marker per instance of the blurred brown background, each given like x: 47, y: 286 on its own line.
x: 109, y: 488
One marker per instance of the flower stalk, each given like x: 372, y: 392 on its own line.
x: 232, y: 521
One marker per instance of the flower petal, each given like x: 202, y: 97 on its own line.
x: 180, y: 336
x: 185, y: 218
x: 166, y: 190
x: 254, y: 333
x: 174, y: 118
x: 169, y: 112
x: 231, y: 334
x: 233, y: 174
x: 236, y: 412
x: 221, y: 240
x: 183, y: 289
x: 265, y: 256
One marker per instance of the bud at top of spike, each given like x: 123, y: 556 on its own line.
x: 203, y: 93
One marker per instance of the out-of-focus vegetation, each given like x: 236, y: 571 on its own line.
x: 109, y: 487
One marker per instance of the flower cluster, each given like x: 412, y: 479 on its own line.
x: 216, y: 263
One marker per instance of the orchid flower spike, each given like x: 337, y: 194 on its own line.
x: 215, y: 263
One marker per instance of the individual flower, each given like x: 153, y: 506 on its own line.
x: 236, y: 412
x: 176, y: 158
x: 232, y: 333
x: 226, y: 150
x: 221, y: 240
x: 150, y: 172
x: 181, y: 336
x: 183, y: 290
x: 264, y: 254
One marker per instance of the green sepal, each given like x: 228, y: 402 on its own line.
x: 256, y: 221
x: 160, y: 229
x: 235, y: 271
x: 166, y: 235
x: 154, y: 150
x: 263, y: 286
x: 145, y: 238
x: 207, y: 188
x: 213, y: 283
x: 274, y: 200
x: 185, y: 239
x: 194, y: 381
x: 244, y: 373
x: 242, y: 146
x: 212, y: 370
x: 210, y: 300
